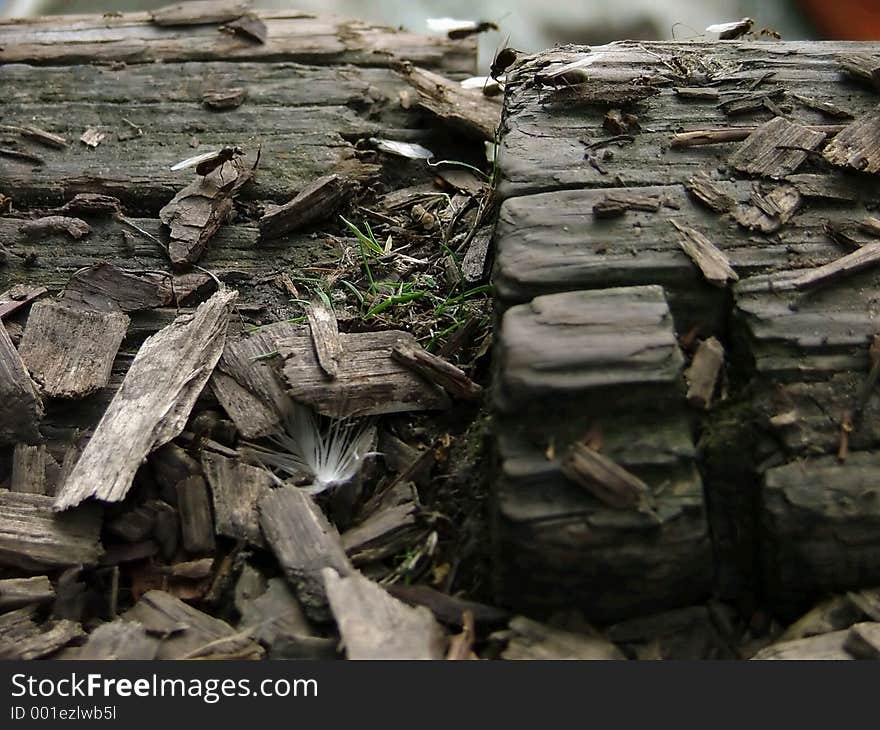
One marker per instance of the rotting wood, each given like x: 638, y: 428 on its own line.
x: 750, y: 102
x: 196, y: 520
x: 17, y: 297
x: 199, y: 12
x: 198, y: 211
x: 21, y: 407
x: 33, y: 537
x: 236, y: 490
x: 704, y: 189
x: 30, y: 469
x: 374, y: 625
x: 246, y: 384
x: 862, y: 258
x: 473, y: 113
x: 186, y: 632
x: 304, y: 542
x: 325, y: 336
x: 863, y: 66
x: 528, y: 639
x: 601, y: 94
x: 437, y: 370
x: 369, y: 380
x: 105, y: 287
x: 702, y: 375
x: 316, y: 202
x: 120, y: 640
x: 69, y: 350
x: 776, y: 148
x: 52, y: 225
x: 19, y: 592
x: 609, y: 482
x: 713, y: 264
x: 153, y: 403
x: 858, y: 145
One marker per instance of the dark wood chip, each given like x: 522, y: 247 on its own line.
x: 437, y: 370
x: 609, y: 482
x: 858, y: 146
x: 702, y: 375
x: 21, y: 407
x: 248, y: 26
x: 316, y: 202
x: 236, y: 490
x: 776, y: 148
x: 53, y: 225
x: 713, y: 264
x: 325, y: 336
x: 220, y: 99
x: 199, y: 12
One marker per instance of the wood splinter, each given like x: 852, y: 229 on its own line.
x: 712, y: 263
x: 606, y: 480
x: 437, y: 370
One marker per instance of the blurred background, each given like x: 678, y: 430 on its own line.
x: 534, y: 24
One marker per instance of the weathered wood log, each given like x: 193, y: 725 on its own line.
x: 33, y: 537
x: 186, y: 632
x: 369, y: 381
x: 236, y: 490
x: 69, y: 350
x: 20, y: 592
x: 21, y: 407
x: 304, y: 543
x: 374, y: 625
x: 294, y: 36
x: 153, y: 404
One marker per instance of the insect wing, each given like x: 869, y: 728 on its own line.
x: 445, y: 25
x: 195, y: 160
x: 587, y: 60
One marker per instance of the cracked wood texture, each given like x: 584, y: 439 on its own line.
x: 763, y: 455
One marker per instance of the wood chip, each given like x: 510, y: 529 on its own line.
x: 43, y: 137
x: 186, y: 632
x: 768, y: 213
x: 826, y: 107
x: 196, y: 520
x: 819, y: 648
x: 369, y: 380
x: 92, y: 137
x: 858, y: 260
x: 224, y: 98
x: 474, y: 264
x: 70, y: 350
x: 325, y: 336
x: 448, y: 609
x: 106, y: 287
x: 616, y: 204
x: 198, y: 211
x: 304, y: 543
x: 316, y: 202
x: 698, y: 93
x: 153, y: 403
x: 21, y: 407
x: 236, y: 490
x: 17, y: 297
x: 33, y: 537
x: 708, y: 192
x: 745, y: 103
x: 246, y: 383
x: 19, y: 592
x: 712, y: 263
x: 863, y: 66
x: 383, y: 534
x: 824, y: 187
x: 776, y: 148
x: 702, y: 375
x: 248, y: 26
x: 606, y: 480
x: 275, y: 615
x: 863, y: 641
x: 374, y: 625
x: 120, y: 640
x: 437, y: 370
x: 474, y: 114
x: 21, y: 639
x: 54, y: 224
x: 30, y: 465
x: 199, y: 12
x: 528, y: 639
x: 858, y: 145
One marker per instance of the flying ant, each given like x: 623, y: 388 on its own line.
x: 207, y: 162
